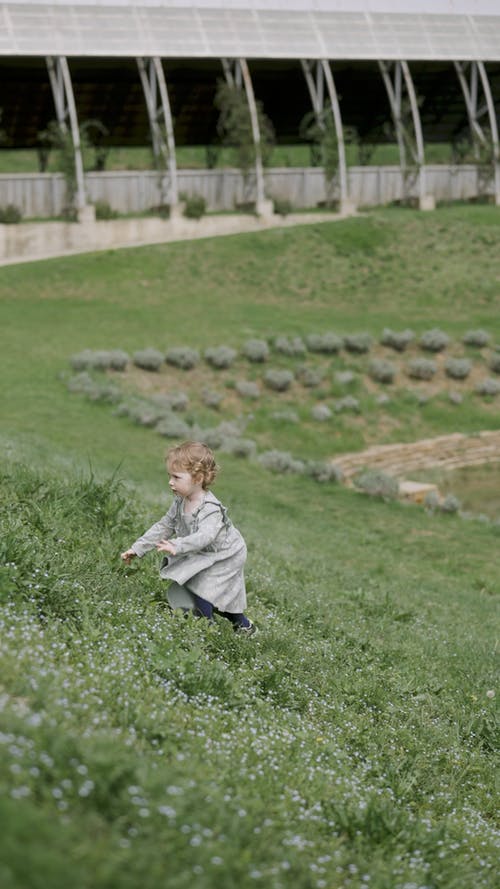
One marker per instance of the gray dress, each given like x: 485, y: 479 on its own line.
x: 210, y: 552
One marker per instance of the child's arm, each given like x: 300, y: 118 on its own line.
x: 160, y: 530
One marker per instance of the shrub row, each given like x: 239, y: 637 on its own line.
x: 258, y: 351
x: 283, y: 463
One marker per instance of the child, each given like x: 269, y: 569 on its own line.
x: 206, y: 554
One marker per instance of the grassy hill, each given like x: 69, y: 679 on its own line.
x: 353, y: 742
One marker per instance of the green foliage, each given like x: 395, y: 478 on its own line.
x: 211, y: 398
x: 381, y: 370
x: 195, y: 206
x: 292, y: 346
x: 10, y: 215
x: 256, y: 350
x: 321, y: 412
x: 398, y: 340
x: 94, y: 134
x: 280, y: 462
x: 488, y: 386
x: 450, y: 504
x: 234, y: 126
x: 279, y: 380
x: 247, y: 389
x: 377, y: 483
x: 184, y: 357
x: 358, y: 342
x: 104, y: 210
x: 220, y: 356
x: 458, y: 368
x: 319, y: 130
x: 494, y: 362
x: 434, y: 340
x: 58, y: 138
x: 421, y: 368
x: 95, y: 390
x: 348, y: 403
x: 100, y: 359
x: 478, y: 338
x: 282, y: 206
x: 239, y: 447
x: 310, y: 377
x: 329, y: 343
x: 172, y: 426
x: 148, y: 359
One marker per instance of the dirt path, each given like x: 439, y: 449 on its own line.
x: 443, y: 452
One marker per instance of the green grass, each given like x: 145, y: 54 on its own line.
x: 392, y: 268
x: 477, y: 487
x: 353, y: 742
x: 24, y: 160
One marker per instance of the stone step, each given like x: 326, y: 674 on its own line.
x: 446, y: 452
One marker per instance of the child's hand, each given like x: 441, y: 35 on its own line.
x: 128, y: 555
x: 165, y: 546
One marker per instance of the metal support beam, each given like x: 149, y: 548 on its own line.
x: 472, y: 77
x: 237, y: 74
x: 405, y: 113
x: 64, y: 101
x: 317, y: 75
x: 162, y: 128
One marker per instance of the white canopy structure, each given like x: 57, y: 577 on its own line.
x: 315, y: 29
x: 391, y: 33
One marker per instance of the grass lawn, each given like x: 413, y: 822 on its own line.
x: 393, y: 268
x: 353, y: 742
x: 195, y: 157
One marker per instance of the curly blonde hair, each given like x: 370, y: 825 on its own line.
x: 193, y: 457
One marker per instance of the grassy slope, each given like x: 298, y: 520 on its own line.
x: 355, y: 737
x: 394, y: 269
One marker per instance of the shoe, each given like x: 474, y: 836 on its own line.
x: 251, y: 630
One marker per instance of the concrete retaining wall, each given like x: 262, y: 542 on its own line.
x: 42, y: 194
x: 40, y: 240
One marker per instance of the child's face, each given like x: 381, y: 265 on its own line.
x: 183, y: 483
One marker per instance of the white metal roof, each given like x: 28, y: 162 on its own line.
x: 273, y: 29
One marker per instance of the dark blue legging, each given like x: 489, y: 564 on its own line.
x: 206, y: 609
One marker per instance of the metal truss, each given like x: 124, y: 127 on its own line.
x: 317, y: 75
x: 237, y: 75
x: 64, y: 101
x: 474, y: 79
x: 407, y: 124
x: 161, y: 126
